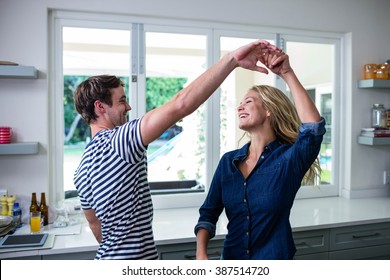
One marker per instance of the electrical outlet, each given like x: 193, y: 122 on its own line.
x: 386, y: 177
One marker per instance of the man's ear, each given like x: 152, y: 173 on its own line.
x: 99, y: 108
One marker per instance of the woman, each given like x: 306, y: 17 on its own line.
x: 257, y: 184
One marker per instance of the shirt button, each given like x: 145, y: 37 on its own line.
x: 244, y: 200
x: 247, y: 251
x: 247, y: 233
x: 262, y: 156
x: 247, y: 217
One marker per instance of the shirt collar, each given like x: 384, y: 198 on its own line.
x: 242, y: 152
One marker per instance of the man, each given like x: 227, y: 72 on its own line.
x: 112, y: 177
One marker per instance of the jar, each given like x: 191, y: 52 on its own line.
x: 388, y: 119
x: 386, y: 66
x: 369, y: 71
x: 378, y: 116
x: 382, y: 72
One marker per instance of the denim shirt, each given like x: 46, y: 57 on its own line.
x: 258, y: 207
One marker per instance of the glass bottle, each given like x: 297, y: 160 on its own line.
x: 44, y: 209
x: 378, y: 116
x: 34, y: 205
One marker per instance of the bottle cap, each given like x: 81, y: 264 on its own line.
x: 16, y: 204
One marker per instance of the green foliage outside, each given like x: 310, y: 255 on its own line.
x: 160, y: 90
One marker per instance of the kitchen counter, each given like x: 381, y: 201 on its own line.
x: 173, y: 226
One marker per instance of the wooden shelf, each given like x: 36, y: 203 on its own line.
x: 373, y: 141
x: 18, y: 71
x: 374, y: 83
x: 24, y: 148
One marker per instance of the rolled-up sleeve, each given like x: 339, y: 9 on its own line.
x: 207, y: 226
x: 317, y: 128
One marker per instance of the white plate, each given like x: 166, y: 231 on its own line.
x: 5, y: 221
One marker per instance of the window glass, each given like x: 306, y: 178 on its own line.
x: 316, y: 73
x: 232, y: 90
x: 177, y: 158
x: 87, y: 52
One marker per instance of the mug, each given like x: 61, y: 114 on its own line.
x: 5, y: 134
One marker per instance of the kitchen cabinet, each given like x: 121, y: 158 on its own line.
x: 373, y: 84
x: 366, y: 242
x: 88, y: 255
x: 370, y: 241
x: 187, y: 251
x: 18, y: 71
x: 312, y: 245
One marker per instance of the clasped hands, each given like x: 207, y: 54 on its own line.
x: 262, y: 51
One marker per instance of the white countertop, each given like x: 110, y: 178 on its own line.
x: 172, y: 226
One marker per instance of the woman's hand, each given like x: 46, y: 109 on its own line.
x: 249, y: 55
x: 277, y: 62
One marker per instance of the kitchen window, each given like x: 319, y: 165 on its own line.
x: 156, y: 60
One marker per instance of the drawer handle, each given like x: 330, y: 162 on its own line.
x: 211, y: 255
x: 301, y: 244
x: 366, y: 235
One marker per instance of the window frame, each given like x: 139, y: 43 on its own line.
x: 214, y: 31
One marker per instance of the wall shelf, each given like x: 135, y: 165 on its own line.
x: 373, y: 141
x: 374, y: 83
x: 18, y: 71
x: 23, y: 148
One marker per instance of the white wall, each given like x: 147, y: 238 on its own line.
x: 24, y: 39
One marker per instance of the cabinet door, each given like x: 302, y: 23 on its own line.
x: 311, y: 242
x: 359, y: 236
x: 71, y: 256
x: 318, y: 256
x: 187, y: 251
x: 381, y: 252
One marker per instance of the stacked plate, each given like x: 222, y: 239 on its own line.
x: 5, y: 225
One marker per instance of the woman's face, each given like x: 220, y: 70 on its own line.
x: 251, y: 113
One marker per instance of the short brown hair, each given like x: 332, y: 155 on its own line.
x: 92, y: 89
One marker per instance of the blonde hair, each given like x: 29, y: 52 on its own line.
x: 285, y: 123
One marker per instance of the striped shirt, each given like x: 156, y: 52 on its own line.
x: 112, y: 180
